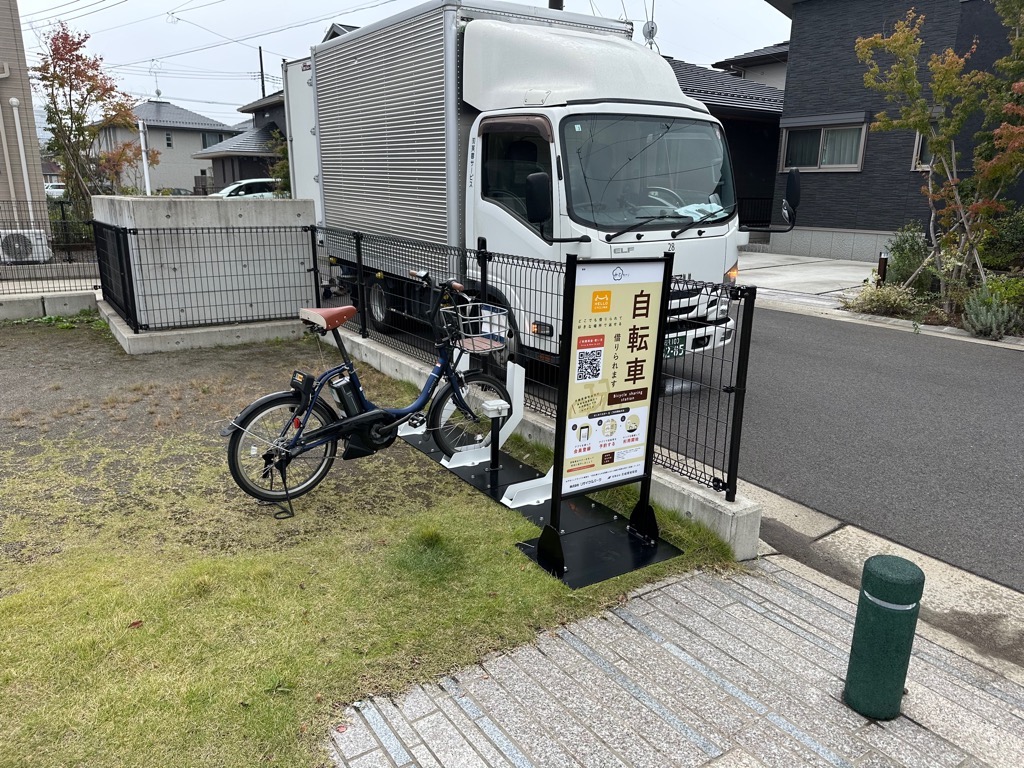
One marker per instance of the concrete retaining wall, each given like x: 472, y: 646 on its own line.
x: 843, y: 244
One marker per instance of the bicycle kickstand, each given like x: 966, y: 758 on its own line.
x: 283, y: 513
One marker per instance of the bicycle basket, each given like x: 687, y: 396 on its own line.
x: 476, y: 327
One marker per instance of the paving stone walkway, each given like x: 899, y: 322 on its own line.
x: 737, y: 670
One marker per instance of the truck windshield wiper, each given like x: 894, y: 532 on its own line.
x: 641, y: 220
x: 724, y: 212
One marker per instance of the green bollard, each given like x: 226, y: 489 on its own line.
x: 883, y: 635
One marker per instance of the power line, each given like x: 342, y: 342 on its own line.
x: 271, y: 31
x: 45, y: 21
x: 53, y: 8
x: 156, y: 16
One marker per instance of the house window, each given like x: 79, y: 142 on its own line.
x: 169, y: 140
x: 209, y: 139
x: 828, y: 149
x: 922, y: 154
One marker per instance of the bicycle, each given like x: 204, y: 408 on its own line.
x: 283, y: 445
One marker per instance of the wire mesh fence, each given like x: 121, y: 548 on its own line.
x: 177, y: 278
x: 45, y: 247
x: 192, y: 277
x: 703, y: 380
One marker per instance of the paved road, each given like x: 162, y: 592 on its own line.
x: 913, y: 437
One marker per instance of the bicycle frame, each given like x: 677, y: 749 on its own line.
x: 444, y: 368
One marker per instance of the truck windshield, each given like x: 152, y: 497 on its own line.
x: 645, y: 172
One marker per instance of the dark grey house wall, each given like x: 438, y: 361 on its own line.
x: 825, y: 77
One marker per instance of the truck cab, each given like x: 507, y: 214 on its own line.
x: 629, y: 167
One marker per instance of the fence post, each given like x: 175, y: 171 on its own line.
x: 64, y: 239
x: 482, y: 259
x: 315, y: 269
x: 748, y: 295
x: 361, y: 285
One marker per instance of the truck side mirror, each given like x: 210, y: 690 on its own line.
x: 538, y: 197
x: 792, y: 199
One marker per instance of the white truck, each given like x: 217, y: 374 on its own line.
x: 525, y: 131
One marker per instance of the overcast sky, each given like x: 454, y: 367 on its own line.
x: 204, y: 53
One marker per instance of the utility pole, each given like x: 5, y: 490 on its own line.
x: 263, y: 83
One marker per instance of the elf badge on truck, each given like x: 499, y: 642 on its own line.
x: 531, y: 132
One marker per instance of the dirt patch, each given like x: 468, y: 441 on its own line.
x: 100, y: 444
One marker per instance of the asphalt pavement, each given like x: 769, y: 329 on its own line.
x: 739, y: 669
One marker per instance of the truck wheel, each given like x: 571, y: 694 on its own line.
x: 510, y: 353
x: 378, y: 307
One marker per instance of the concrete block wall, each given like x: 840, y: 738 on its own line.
x: 841, y: 244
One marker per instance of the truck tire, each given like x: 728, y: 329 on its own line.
x: 378, y: 307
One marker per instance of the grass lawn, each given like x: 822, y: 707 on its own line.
x: 151, y: 614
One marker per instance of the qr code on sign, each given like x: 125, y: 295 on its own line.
x: 588, y: 364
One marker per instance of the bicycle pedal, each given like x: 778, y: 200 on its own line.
x: 417, y: 420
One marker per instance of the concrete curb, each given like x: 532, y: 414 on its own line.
x: 194, y: 338
x: 826, y: 306
x: 46, y: 305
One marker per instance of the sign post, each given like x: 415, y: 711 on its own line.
x: 611, y: 352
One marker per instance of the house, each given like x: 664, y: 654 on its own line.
x: 765, y: 65
x: 21, y: 176
x: 177, y: 134
x: 52, y: 172
x: 250, y: 154
x: 858, y: 186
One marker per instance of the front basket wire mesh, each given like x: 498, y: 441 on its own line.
x: 476, y: 327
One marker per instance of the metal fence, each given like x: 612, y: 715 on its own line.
x: 755, y: 211
x: 178, y: 278
x: 191, y: 277
x: 701, y: 410
x: 45, y: 246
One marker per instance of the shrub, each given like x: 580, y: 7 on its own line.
x: 888, y: 299
x: 986, y: 314
x: 1009, y: 288
x: 907, y: 249
x: 1003, y: 248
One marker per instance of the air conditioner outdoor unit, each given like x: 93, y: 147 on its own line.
x: 24, y: 246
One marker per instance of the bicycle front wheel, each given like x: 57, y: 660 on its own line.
x: 254, y: 451
x: 455, y: 430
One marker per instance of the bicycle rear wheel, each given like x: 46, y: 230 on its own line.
x: 454, y: 430
x: 252, y: 451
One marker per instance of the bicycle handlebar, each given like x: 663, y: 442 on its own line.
x: 449, y: 288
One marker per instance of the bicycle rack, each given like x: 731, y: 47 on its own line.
x: 597, y: 542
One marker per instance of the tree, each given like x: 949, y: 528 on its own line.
x: 80, y: 100
x: 280, y: 169
x: 962, y: 205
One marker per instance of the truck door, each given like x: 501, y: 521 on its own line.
x: 509, y: 149
x: 506, y: 150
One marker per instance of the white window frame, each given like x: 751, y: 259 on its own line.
x: 915, y: 160
x: 169, y: 140
x: 819, y: 168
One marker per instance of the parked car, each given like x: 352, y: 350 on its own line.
x: 249, y: 188
x: 54, y: 189
x: 174, y: 191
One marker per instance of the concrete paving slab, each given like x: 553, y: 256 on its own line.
x: 801, y: 274
x: 643, y: 685
x: 953, y: 598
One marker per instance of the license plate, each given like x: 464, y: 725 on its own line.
x: 675, y: 347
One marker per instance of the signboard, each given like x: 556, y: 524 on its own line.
x: 612, y: 348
